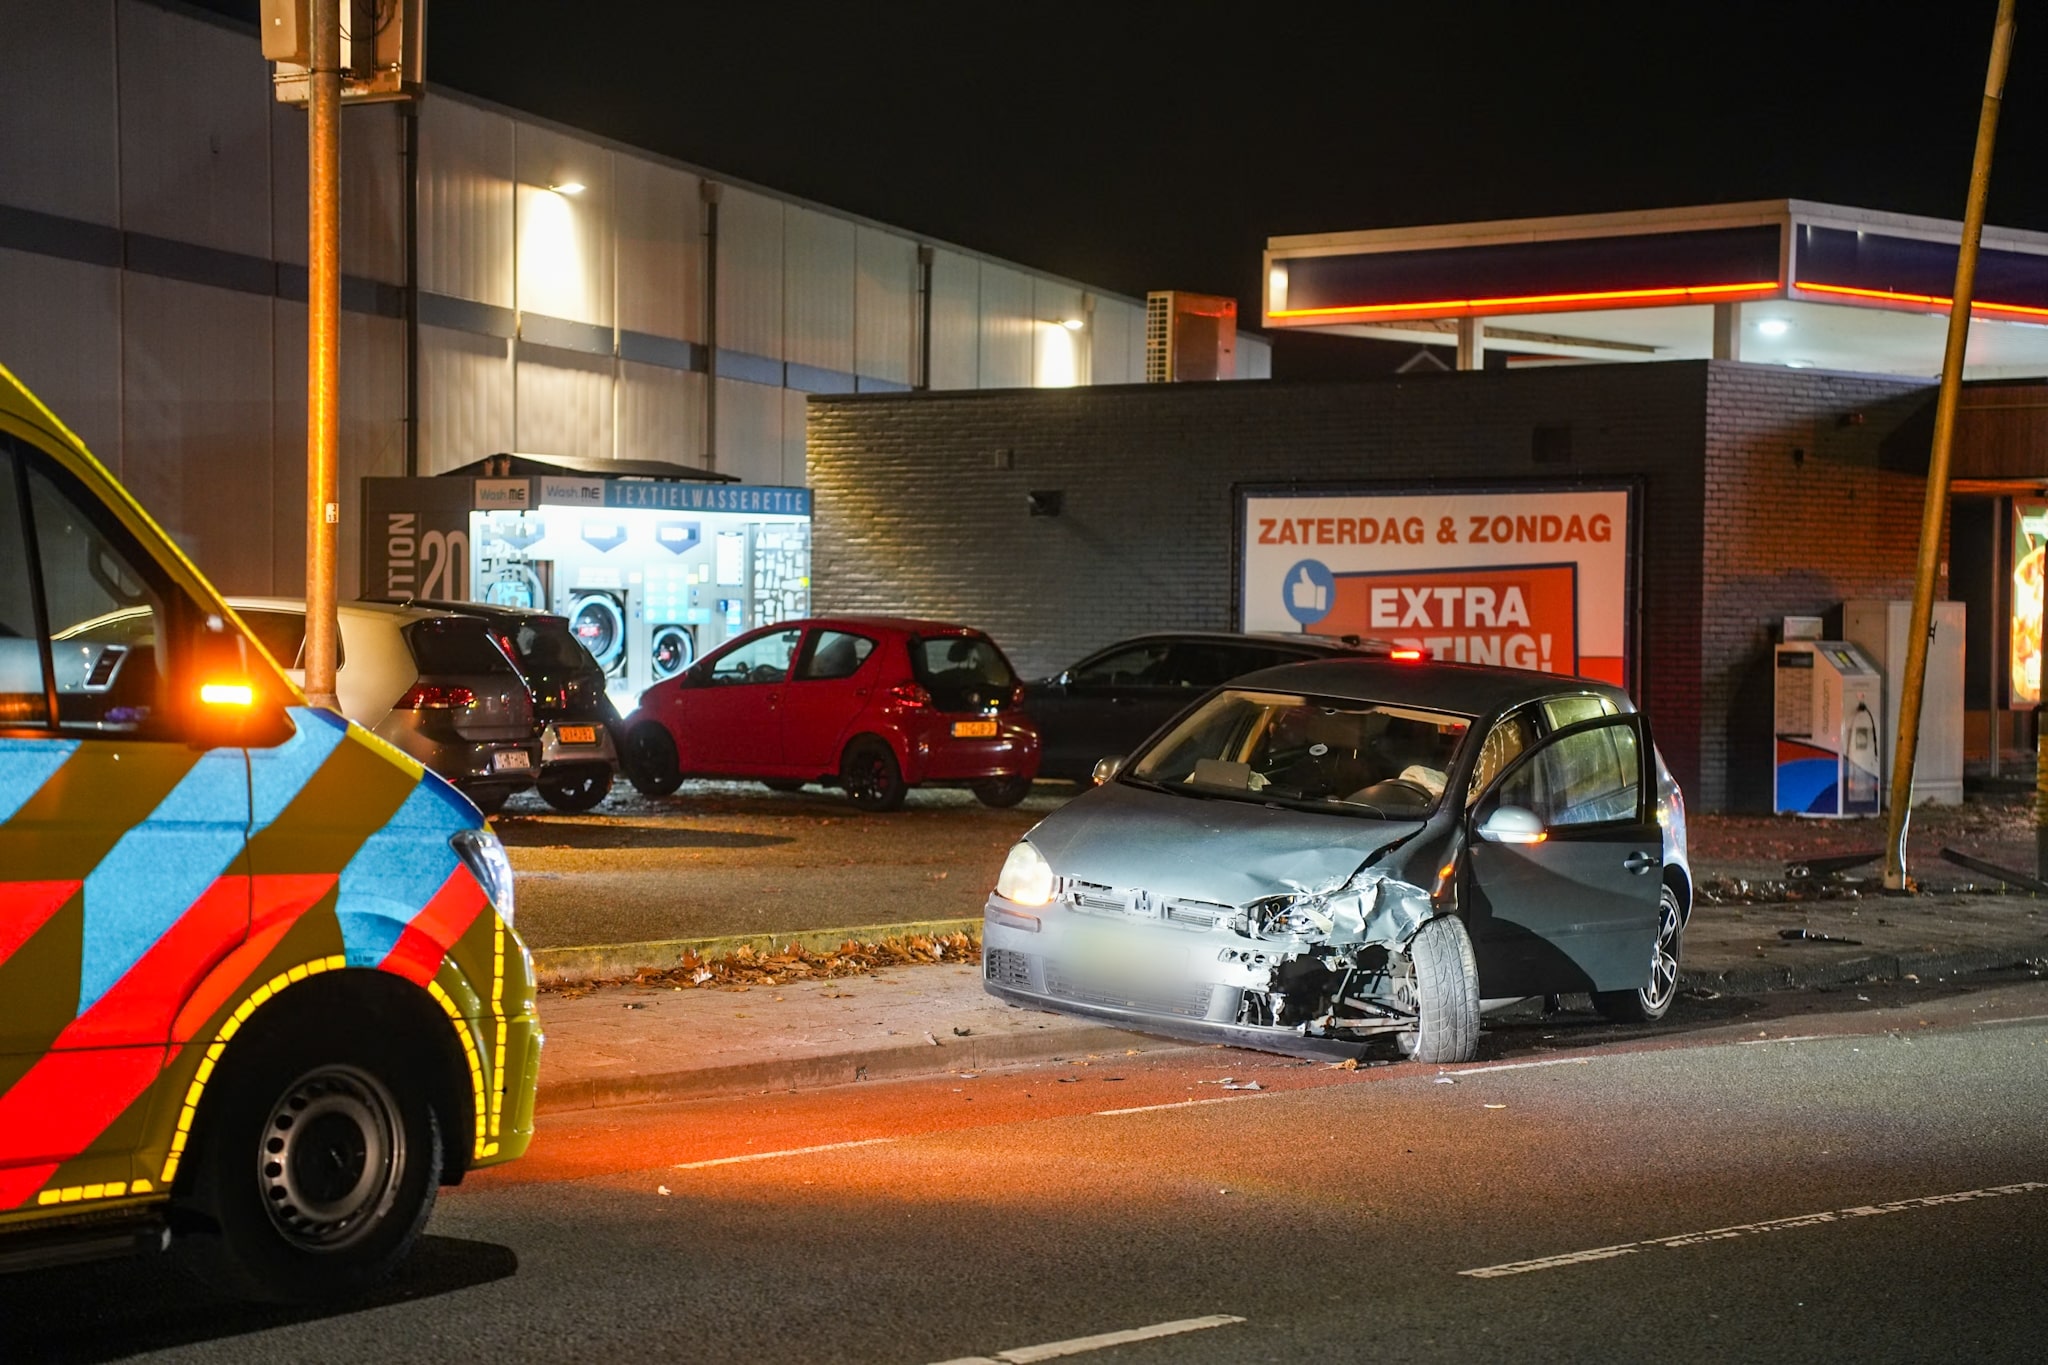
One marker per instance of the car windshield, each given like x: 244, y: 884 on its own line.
x: 546, y: 651
x: 962, y: 672
x: 1320, y: 753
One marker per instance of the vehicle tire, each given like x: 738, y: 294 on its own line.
x: 316, y: 1167
x: 649, y: 760
x: 1653, y: 1001
x: 1002, y: 792
x: 782, y: 784
x: 578, y: 789
x: 1446, y: 993
x: 871, y: 775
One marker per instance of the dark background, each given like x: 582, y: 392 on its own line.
x: 1156, y: 146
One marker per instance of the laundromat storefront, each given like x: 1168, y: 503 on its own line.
x: 652, y: 569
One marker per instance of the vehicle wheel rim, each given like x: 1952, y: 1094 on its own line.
x: 870, y: 777
x: 330, y: 1157
x: 1664, y: 956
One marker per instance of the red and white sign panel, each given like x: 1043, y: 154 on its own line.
x: 1530, y: 579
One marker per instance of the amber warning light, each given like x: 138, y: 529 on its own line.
x: 227, y: 694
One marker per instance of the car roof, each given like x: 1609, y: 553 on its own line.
x: 490, y: 611
x: 393, y: 610
x: 909, y: 625
x: 1467, y: 689
x: 1320, y: 644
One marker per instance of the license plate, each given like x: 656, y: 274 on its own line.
x: 577, y: 734
x: 510, y: 758
x: 974, y: 729
x: 1125, y: 956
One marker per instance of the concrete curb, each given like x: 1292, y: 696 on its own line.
x: 1874, y: 966
x: 900, y: 1062
x: 555, y: 966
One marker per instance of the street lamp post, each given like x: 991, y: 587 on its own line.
x: 323, y: 347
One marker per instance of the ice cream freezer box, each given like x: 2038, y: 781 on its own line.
x: 651, y: 571
x: 1829, y: 713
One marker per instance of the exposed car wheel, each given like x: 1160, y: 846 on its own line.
x: 872, y: 778
x: 1446, y: 993
x: 577, y: 789
x: 650, y: 761
x: 1653, y: 1001
x: 1002, y: 792
x: 782, y: 784
x: 316, y: 1169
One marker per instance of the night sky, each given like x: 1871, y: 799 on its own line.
x: 1157, y: 146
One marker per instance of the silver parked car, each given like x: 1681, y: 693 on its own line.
x: 435, y: 684
x: 1326, y: 852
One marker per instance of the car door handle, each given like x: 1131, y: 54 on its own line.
x: 1641, y: 862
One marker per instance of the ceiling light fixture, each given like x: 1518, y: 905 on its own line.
x: 1774, y: 327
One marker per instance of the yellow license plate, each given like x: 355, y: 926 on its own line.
x: 974, y: 729
x: 578, y: 734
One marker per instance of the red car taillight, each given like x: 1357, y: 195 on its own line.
x: 423, y: 697
x: 909, y: 695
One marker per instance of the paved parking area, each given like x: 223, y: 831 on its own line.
x: 735, y: 858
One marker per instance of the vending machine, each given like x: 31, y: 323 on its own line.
x: 1829, y: 709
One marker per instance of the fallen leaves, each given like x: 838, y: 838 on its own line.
x: 746, y: 966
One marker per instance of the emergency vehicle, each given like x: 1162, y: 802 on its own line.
x: 260, y: 991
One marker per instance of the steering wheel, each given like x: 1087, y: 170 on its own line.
x: 1394, y: 791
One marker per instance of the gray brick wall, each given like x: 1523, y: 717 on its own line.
x: 921, y: 501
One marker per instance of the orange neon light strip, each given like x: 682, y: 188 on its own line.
x: 1670, y: 293
x: 1930, y: 300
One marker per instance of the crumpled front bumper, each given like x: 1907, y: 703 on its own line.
x: 1153, y: 977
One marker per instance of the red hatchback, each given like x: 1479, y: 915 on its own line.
x: 876, y: 704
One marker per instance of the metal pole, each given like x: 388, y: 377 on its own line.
x: 323, y: 345
x: 1935, y: 510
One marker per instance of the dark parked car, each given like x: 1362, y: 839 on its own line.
x: 578, y: 756
x: 1110, y: 701
x: 874, y: 704
x: 1324, y: 852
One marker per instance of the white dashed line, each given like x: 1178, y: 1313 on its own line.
x: 1518, y: 1066
x: 1176, y: 1104
x: 1795, y: 1038
x: 1053, y: 1350
x: 1804, y: 1220
x: 771, y: 1156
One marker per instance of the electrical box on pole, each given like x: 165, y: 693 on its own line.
x: 383, y: 48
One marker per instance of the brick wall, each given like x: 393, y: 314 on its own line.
x: 1802, y: 514
x: 921, y: 498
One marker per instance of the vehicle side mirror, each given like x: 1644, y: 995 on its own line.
x: 1513, y: 825
x: 1106, y: 768
x: 232, y: 701
x: 1065, y: 679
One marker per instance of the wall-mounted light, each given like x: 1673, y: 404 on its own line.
x: 1773, y: 327
x: 1046, y: 502
x: 567, y: 187
x: 1072, y: 324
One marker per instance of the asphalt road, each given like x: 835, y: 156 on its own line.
x: 735, y: 858
x: 1864, y: 1180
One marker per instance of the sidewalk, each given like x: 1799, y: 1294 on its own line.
x: 629, y: 1044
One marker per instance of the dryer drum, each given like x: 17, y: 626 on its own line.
x: 673, y: 648
x: 601, y: 625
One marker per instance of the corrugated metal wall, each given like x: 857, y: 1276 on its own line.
x: 144, y: 133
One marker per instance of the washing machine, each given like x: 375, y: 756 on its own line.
x: 672, y: 647
x: 599, y: 620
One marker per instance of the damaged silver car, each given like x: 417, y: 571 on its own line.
x: 1324, y: 854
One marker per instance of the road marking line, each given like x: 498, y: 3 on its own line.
x: 1519, y: 1066
x: 1804, y: 1220
x: 771, y: 1156
x: 1053, y: 1350
x: 1177, y: 1104
x: 1794, y: 1038
x: 2016, y: 1019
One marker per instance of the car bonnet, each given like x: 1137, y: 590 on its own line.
x: 1207, y: 848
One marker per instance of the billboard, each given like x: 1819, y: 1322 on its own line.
x: 1536, y: 578
x: 2029, y: 549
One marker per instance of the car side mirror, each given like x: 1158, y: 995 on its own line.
x: 1105, y: 769
x: 232, y: 701
x: 1513, y: 825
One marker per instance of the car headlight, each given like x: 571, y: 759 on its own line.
x: 484, y: 856
x: 1026, y: 877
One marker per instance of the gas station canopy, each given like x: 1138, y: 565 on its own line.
x: 1775, y: 282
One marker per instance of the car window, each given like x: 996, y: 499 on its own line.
x: 546, y: 650
x: 1591, y: 777
x: 834, y: 654
x: 283, y: 633
x: 1134, y: 666
x: 455, y: 646
x: 1504, y: 743
x: 1206, y: 663
x: 1356, y: 757
x: 765, y: 660
x: 105, y: 606
x: 962, y: 672
x: 1565, y: 712
x: 24, y: 693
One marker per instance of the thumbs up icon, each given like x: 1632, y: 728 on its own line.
x: 1305, y: 594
